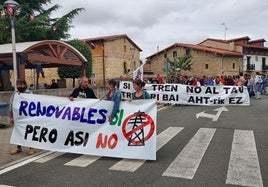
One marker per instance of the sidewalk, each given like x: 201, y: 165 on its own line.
x: 6, y: 147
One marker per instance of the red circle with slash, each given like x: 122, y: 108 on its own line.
x: 149, y: 122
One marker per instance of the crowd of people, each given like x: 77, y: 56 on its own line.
x: 256, y: 85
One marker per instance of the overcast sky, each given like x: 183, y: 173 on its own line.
x: 157, y: 24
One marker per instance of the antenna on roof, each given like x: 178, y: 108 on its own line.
x: 225, y: 29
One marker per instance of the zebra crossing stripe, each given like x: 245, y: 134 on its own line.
x: 49, y: 157
x: 244, y: 168
x: 24, y: 162
x: 82, y: 161
x: 187, y: 162
x: 132, y: 165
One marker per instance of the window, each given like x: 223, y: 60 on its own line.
x: 188, y: 51
x: 175, y: 54
x: 264, y: 66
x: 233, y: 65
x: 263, y: 60
x: 125, y: 67
x: 125, y: 48
x: 134, y: 65
x: 165, y: 55
x: 248, y: 62
x: 248, y: 59
x: 206, y: 66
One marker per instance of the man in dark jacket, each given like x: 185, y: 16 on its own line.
x: 21, y: 88
x: 53, y: 85
x: 83, y: 91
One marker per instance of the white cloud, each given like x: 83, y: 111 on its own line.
x: 152, y: 23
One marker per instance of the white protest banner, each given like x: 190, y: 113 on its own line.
x: 138, y: 73
x: 190, y: 95
x: 81, y: 126
x: 126, y: 88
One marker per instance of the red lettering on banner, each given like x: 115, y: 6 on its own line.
x: 112, y: 141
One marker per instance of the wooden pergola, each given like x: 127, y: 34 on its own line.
x: 47, y: 53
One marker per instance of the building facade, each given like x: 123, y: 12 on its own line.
x: 216, y: 57
x: 255, y: 54
x: 206, y: 60
x: 112, y: 57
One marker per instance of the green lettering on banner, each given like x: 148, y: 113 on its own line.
x: 118, y: 118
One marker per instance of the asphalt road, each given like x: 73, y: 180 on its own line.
x: 232, y: 150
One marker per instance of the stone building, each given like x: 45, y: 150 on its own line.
x: 216, y: 57
x: 255, y: 54
x: 113, y: 56
x: 206, y: 60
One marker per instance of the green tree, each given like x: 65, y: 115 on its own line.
x: 42, y: 27
x: 75, y: 72
x: 173, y: 68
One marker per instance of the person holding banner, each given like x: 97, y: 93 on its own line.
x: 258, y: 85
x: 113, y: 95
x: 22, y: 88
x: 139, y: 93
x: 83, y: 91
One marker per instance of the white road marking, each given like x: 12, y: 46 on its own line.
x: 82, y: 161
x: 162, y: 108
x: 244, y: 168
x: 132, y: 165
x: 49, y: 157
x: 187, y: 162
x: 24, y: 162
x: 214, y: 117
x: 1, y: 185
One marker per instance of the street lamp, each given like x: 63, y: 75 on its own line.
x: 12, y: 8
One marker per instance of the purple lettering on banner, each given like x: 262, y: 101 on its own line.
x: 32, y: 109
x: 50, y: 110
x: 59, y: 112
x: 91, y: 113
x: 22, y: 109
x: 76, y: 114
x: 39, y: 111
x: 103, y: 113
x: 82, y: 119
x: 67, y: 113
x: 82, y: 114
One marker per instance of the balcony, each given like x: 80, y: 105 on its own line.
x: 264, y: 67
x: 250, y: 67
